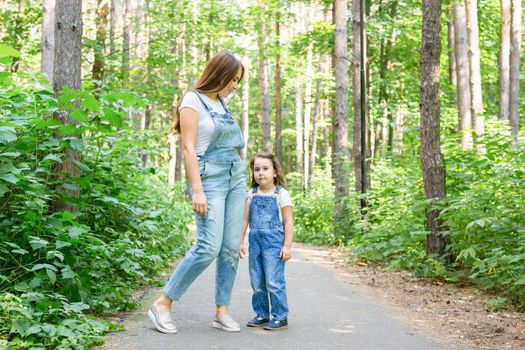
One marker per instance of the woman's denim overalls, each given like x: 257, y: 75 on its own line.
x: 218, y: 234
x: 266, y: 267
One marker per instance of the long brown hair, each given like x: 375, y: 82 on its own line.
x: 217, y: 74
x: 279, y: 176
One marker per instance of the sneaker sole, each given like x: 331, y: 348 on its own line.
x: 256, y: 325
x: 218, y: 325
x: 275, y: 329
x: 157, y: 326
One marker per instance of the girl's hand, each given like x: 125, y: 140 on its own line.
x: 242, y: 251
x: 200, y: 203
x: 286, y: 253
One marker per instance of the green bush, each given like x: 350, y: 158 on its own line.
x: 56, y: 268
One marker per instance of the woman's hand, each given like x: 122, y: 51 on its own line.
x: 200, y: 203
x: 286, y: 253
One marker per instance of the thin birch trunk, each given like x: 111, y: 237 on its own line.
x: 341, y: 116
x: 463, y: 91
x: 278, y: 115
x: 515, y: 40
x: 245, y: 120
x: 475, y: 72
x: 504, y: 61
x: 48, y: 39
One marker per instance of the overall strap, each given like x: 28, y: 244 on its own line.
x: 277, y: 189
x: 202, y: 101
x: 254, y: 190
x: 224, y: 105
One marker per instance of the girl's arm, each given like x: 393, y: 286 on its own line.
x: 189, y: 123
x: 246, y: 222
x: 286, y: 250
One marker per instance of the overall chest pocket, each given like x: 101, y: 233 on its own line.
x: 228, y: 134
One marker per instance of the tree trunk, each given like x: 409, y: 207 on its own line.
x: 431, y: 156
x: 100, y: 48
x: 112, y: 26
x: 515, y: 40
x: 452, y: 69
x: 278, y: 115
x: 18, y: 32
x: 463, y: 91
x: 125, y: 42
x: 48, y: 39
x: 179, y: 163
x: 317, y: 112
x: 67, y: 72
x: 265, y: 98
x: 398, y: 133
x: 504, y: 61
x: 341, y: 115
x: 172, y: 140
x: 298, y: 128
x: 475, y: 71
x: 360, y: 184
x: 307, y: 114
x: 245, y: 120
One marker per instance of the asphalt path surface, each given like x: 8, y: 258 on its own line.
x: 325, y: 313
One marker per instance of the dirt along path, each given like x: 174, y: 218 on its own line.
x: 332, y: 306
x: 459, y: 315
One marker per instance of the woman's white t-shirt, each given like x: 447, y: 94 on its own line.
x: 283, y: 198
x: 206, y: 126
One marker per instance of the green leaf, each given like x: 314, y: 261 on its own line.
x: 6, y: 60
x: 3, y: 188
x: 76, y: 144
x: 37, y: 243
x: 8, y: 51
x: 75, y: 232
x: 62, y: 244
x: 56, y: 254
x: 53, y: 157
x: 67, y: 273
x: 10, y: 154
x: 112, y: 117
x: 9, y: 178
x: 68, y: 129
x: 81, y: 166
x: 75, y: 307
x: 52, y: 276
x: 79, y: 115
x: 91, y: 103
x: 520, y: 281
x: 44, y: 266
x: 6, y: 135
x: 20, y: 326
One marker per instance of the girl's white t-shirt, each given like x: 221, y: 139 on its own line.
x: 283, y: 198
x: 206, y: 126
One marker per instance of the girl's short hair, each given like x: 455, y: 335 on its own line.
x: 217, y: 74
x: 279, y: 178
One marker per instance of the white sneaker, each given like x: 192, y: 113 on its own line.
x: 226, y: 322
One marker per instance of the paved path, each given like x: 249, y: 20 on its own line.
x: 325, y: 313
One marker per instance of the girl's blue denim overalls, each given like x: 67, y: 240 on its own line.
x: 266, y: 267
x: 218, y: 234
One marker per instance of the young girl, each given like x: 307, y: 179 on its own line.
x: 268, y: 212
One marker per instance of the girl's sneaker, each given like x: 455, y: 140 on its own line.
x: 258, y: 321
x: 275, y: 325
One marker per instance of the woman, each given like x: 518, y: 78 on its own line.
x: 211, y: 140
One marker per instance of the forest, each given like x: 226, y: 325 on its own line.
x: 399, y: 128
